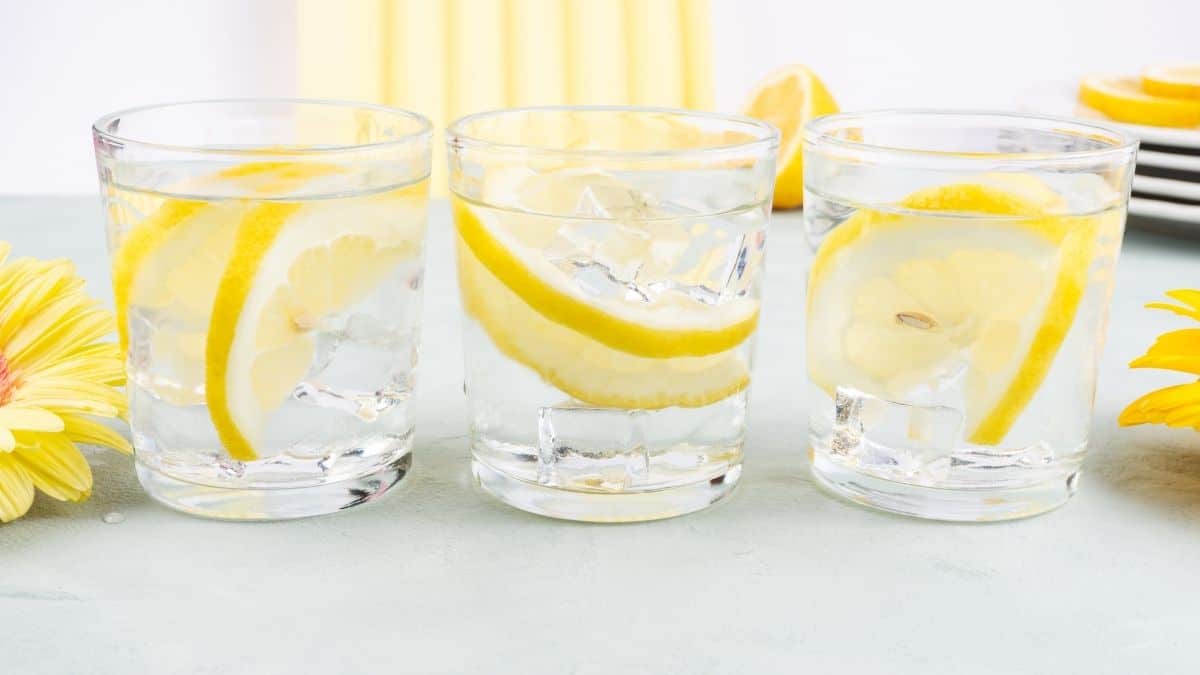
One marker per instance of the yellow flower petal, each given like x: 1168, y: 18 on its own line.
x: 1176, y: 350
x: 73, y: 405
x: 41, y: 320
x: 7, y: 440
x: 1181, y: 311
x: 1157, y: 406
x: 25, y: 297
x: 83, y: 430
x: 100, y: 363
x: 1184, y: 416
x: 16, y: 488
x: 43, y: 388
x: 82, y: 327
x: 29, y: 418
x: 1187, y: 296
x: 57, y: 468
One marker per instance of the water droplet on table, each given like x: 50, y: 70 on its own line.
x: 114, y: 517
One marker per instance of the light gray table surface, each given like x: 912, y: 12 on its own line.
x: 780, y: 578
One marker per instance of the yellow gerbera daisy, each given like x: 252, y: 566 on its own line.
x: 1177, y: 406
x: 54, y: 377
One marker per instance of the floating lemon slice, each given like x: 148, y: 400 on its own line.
x: 901, y: 302
x: 601, y: 350
x: 174, y: 256
x: 293, y: 267
x: 1122, y: 99
x: 510, y: 245
x: 583, y: 368
x: 788, y: 98
x: 1173, y: 81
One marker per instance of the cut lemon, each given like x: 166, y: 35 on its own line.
x: 1122, y: 99
x: 294, y: 266
x: 174, y: 256
x: 511, y: 247
x: 586, y: 369
x: 903, y: 304
x: 788, y: 98
x: 1173, y: 81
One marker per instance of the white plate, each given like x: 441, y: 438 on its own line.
x: 1166, y: 187
x: 1168, y: 160
x: 1150, y: 208
x: 1061, y: 99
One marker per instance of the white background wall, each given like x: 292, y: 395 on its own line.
x: 63, y: 63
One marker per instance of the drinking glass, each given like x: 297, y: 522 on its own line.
x: 957, y: 300
x: 610, y: 266
x: 266, y: 263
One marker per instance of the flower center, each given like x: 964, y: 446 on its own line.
x: 8, y: 380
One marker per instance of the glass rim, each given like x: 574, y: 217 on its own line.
x: 818, y: 132
x: 767, y: 138
x: 424, y: 129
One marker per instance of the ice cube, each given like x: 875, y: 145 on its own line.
x: 913, y: 441
x: 609, y: 198
x: 584, y: 447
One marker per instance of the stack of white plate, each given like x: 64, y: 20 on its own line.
x: 1166, y: 182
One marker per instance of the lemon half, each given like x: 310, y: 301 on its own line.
x: 788, y: 98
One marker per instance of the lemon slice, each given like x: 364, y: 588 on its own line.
x: 292, y: 268
x: 1173, y: 81
x: 174, y: 256
x: 788, y: 98
x: 903, y: 304
x: 511, y: 246
x: 1122, y: 99
x: 587, y: 369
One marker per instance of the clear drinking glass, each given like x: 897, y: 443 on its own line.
x: 610, y: 264
x: 956, y: 305
x: 267, y: 261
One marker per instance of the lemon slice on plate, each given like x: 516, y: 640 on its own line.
x: 1173, y: 81
x: 293, y: 267
x: 1122, y: 99
x: 901, y: 302
x: 613, y: 350
x: 788, y: 98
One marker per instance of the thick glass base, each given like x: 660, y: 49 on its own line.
x: 277, y: 503
x: 961, y: 504
x: 604, y: 507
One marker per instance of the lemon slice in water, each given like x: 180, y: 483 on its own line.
x: 901, y: 304
x: 174, y: 255
x: 511, y: 246
x: 611, y: 350
x: 293, y: 267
